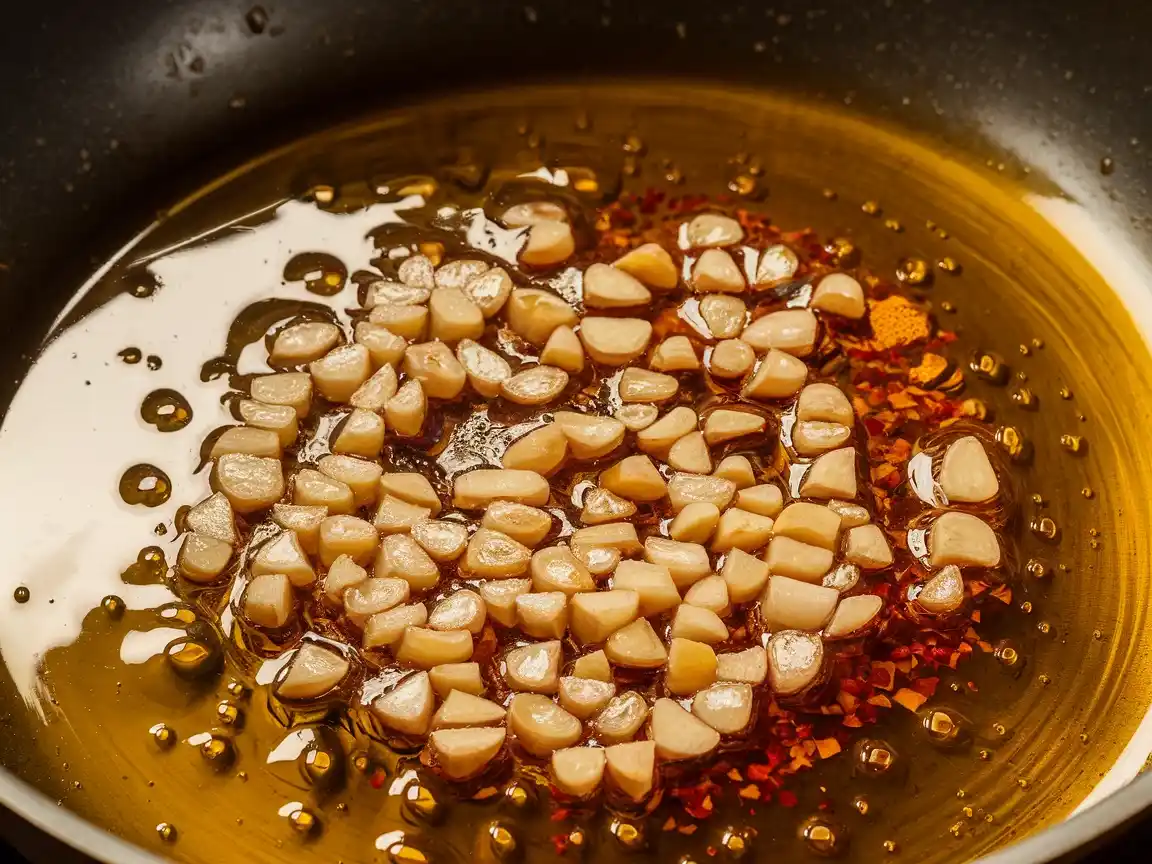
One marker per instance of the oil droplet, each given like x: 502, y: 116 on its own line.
x: 1045, y: 528
x: 976, y: 408
x: 153, y: 362
x: 113, y: 606
x: 889, y: 846
x: 193, y: 657
x: 874, y: 757
x: 1026, y: 399
x: 1006, y: 653
x: 229, y: 714
x: 734, y: 843
x: 1012, y: 442
x: 949, y: 265
x: 1074, y: 444
x: 1044, y: 627
x: 947, y: 306
x: 745, y: 186
x: 1083, y: 737
x: 420, y: 803
x: 576, y: 837
x: 404, y: 854
x: 145, y: 484
x: 217, y: 751
x: 1097, y: 635
x: 985, y: 755
x: 1022, y: 783
x: 894, y: 226
x: 861, y: 805
x: 167, y: 832
x: 956, y: 829
x: 1037, y: 499
x: 518, y: 796
x: 843, y: 251
x: 823, y: 836
x: 990, y: 367
x: 914, y: 271
x: 630, y: 166
x: 163, y: 735
x: 303, y: 821
x: 320, y: 272
x: 989, y: 818
x: 1107, y: 166
x: 1087, y: 492
x: 945, y: 727
x: 131, y: 356
x: 634, y: 144
x: 502, y: 841
x: 1026, y: 607
x: 324, y: 762
x: 829, y: 194
x: 628, y: 834
x: 968, y: 812
x: 22, y: 595
x: 1025, y: 351
x: 256, y: 19
x: 871, y: 208
x: 1037, y: 342
x: 673, y: 174
x: 1044, y: 680
x: 145, y: 285
x: 167, y: 410
x: 999, y: 729
x: 1065, y: 393
x: 323, y: 194
x: 1037, y: 568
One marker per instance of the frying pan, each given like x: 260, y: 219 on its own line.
x: 113, y: 110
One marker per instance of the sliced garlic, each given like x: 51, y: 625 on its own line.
x: 698, y: 625
x: 744, y: 575
x: 778, y: 376
x: 963, y: 539
x: 454, y: 316
x: 727, y: 425
x: 792, y: 331
x: 486, y: 370
x: 536, y: 385
x: 691, y: 667
x: 716, y: 271
x: 640, y: 385
x: 788, y: 557
x: 463, y: 753
x: 867, y: 547
x: 687, y: 562
x: 372, y: 596
x: 584, y: 697
x: 464, y: 709
x: 542, y: 450
x: 347, y: 535
x: 589, y: 436
x: 548, y: 243
x: 443, y: 541
x: 612, y: 288
x: 385, y: 629
x: 556, y: 569
x: 457, y: 274
x: 408, y: 322
x: 675, y: 354
x: 464, y: 677
x: 412, y: 488
x: 268, y: 601
x: 283, y: 554
x: 293, y: 389
x: 691, y: 454
x: 533, y: 668
x: 500, y: 598
x: 313, y: 672
x: 695, y: 523
x: 564, y: 351
x: 813, y: 437
x: 634, y: 478
x: 384, y: 292
x: 310, y: 488
x: 362, y: 434
x: 533, y: 213
x: 749, y: 666
x: 685, y: 489
x: 304, y: 521
x: 652, y: 584
x: 280, y: 419
x: 738, y: 469
x: 809, y: 523
x: 339, y: 373
x: 636, y: 646
x: 373, y: 394
x: 833, y: 475
x: 527, y: 525
x: 385, y: 348
x: 652, y: 265
x: 461, y: 610
x: 359, y: 475
x: 842, y: 577
x: 533, y: 314
x: 795, y: 661
x: 966, y: 474
x: 242, y: 439
x: 475, y: 490
x: 724, y: 314
x: 599, y: 560
x: 711, y: 592
x: 594, y: 666
x: 739, y: 529
x: 678, y: 734
x: 489, y: 291
x: 776, y: 264
x: 577, y: 771
x: 595, y: 616
x: 417, y: 271
x: 250, y: 483
x: 631, y: 768
x: 853, y: 615
x: 944, y: 592
x: 602, y: 506
x: 407, y: 708
x: 436, y: 368
x: 713, y: 229
x: 789, y: 604
x: 492, y: 555
x: 732, y: 358
x: 213, y: 517
x: 424, y: 648
x: 540, y: 725
x: 727, y: 708
x: 851, y: 515
x: 616, y: 535
x: 406, y: 411
x: 839, y: 294
x: 666, y: 431
x: 615, y: 341
x: 824, y: 402
x: 301, y: 343
x: 394, y: 516
x: 622, y: 718
x: 542, y: 615
x: 203, y: 558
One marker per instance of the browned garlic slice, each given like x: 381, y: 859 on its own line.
x: 678, y: 734
x: 359, y: 475
x: 548, y: 243
x: 615, y: 535
x: 384, y: 292
x: 436, y: 368
x: 724, y: 424
x: 641, y: 385
x: 461, y: 610
x: 489, y: 290
x: 268, y: 600
x: 635, y: 478
x: 622, y: 718
x: 711, y: 592
x: 867, y: 547
x: 765, y: 499
x: 341, y: 371
x: 796, y: 560
x: 724, y: 315
x: 851, y: 515
x: 691, y: 666
x: 443, y: 541
x: 824, y: 402
x: 213, y: 517
x: 813, y: 437
x: 477, y: 489
x: 465, y: 709
x: 685, y: 489
x: 778, y: 376
x: 417, y: 272
x: 342, y: 575
x: 652, y: 584
x: 533, y: 314
x: 713, y: 229
x: 540, y: 725
x: 524, y: 524
x: 589, y: 436
x: 367, y: 598
x: 716, y: 271
x: 486, y: 370
x: 687, y: 562
x: 301, y: 343
x: 453, y: 316
x: 293, y: 389
x: 738, y: 469
x: 690, y: 454
x: 533, y: 213
x: 385, y: 348
x: 594, y: 666
x: 809, y: 523
x: 386, y: 629
x: 944, y: 592
x: 405, y: 412
x: 675, y: 354
x: 833, y: 475
x: 280, y: 419
x: 394, y: 516
x: 695, y: 523
x: 500, y: 598
x: 361, y: 434
x: 310, y: 488
x: 243, y: 439
x: 739, y: 529
x: 600, y: 506
x: 304, y: 520
x: 661, y: 435
x: 536, y: 385
x: 542, y: 615
x: 347, y: 535
x: 408, y: 322
x: 698, y: 625
x: 776, y: 264
x: 732, y: 358
x: 556, y: 569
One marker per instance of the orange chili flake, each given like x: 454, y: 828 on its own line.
x: 688, y: 829
x: 670, y: 824
x: 883, y: 674
x: 909, y: 699
x: 931, y: 367
x: 896, y: 321
x: 827, y: 747
x: 751, y: 792
x: 735, y: 776
x: 852, y: 722
x: 880, y: 701
x: 901, y: 401
x: 1002, y: 593
x: 485, y: 793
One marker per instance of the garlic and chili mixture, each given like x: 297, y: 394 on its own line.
x: 625, y: 511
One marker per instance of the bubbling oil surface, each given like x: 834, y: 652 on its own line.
x: 125, y: 707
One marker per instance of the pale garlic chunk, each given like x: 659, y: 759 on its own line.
x: 464, y: 753
x: 548, y: 243
x: 839, y: 294
x: 652, y: 265
x: 461, y: 610
x: 851, y: 515
x: 724, y: 314
x: 342, y: 575
x: 293, y: 389
x: 727, y: 708
x: 711, y: 592
x: 407, y: 707
x: 792, y: 331
x: 417, y: 271
x: 477, y: 489
x: 312, y: 672
x: 675, y: 354
x: 813, y: 437
x: 373, y: 394
x: 436, y: 368
x: 963, y: 539
x: 203, y: 558
x: 486, y: 370
x: 340, y: 372
x: 867, y: 547
x: 622, y: 718
x: 620, y: 536
x: 347, y: 535
x: 359, y: 475
x: 636, y: 646
x: 533, y: 314
x: 301, y: 343
x: 612, y: 288
x: 213, y: 517
x: 362, y: 434
x: 533, y: 213
x: 304, y: 521
x: 843, y: 577
x: 540, y: 725
x: 749, y: 666
x: 765, y: 499
x: 615, y: 341
x: 679, y: 735
x: 686, y: 562
x: 542, y: 615
x: 424, y: 648
x: 401, y: 557
x: 564, y: 350
x: 698, y: 625
x: 556, y: 569
x: 596, y: 616
x: 457, y: 274
x: 535, y: 385
x: 385, y: 292
x: 809, y: 523
x: 641, y: 385
x: 250, y: 483
x: 853, y: 615
x: 411, y: 487
x: 716, y: 271
x: 602, y: 506
x: 492, y: 555
x: 738, y: 469
x: 282, y: 554
x: 731, y: 358
x: 691, y: 667
x: 311, y: 488
x: 584, y: 697
x: 465, y: 709
x: 824, y: 402
x: 394, y: 516
x: 524, y: 524
x: 690, y: 454
x: 385, y: 348
x: 453, y: 316
x: 789, y: 604
x: 744, y: 574
x: 724, y: 424
x: 386, y: 629
x: 594, y: 666
x: 652, y: 583
x: 405, y: 412
x: 372, y: 596
x: 443, y: 541
x: 695, y: 523
x: 464, y: 677
x: 944, y: 592
x: 280, y: 419
x: 685, y: 489
x: 713, y: 229
x: 577, y: 771
x: 542, y: 450
x: 666, y: 431
x: 832, y: 475
x: 777, y: 263
x: 795, y: 661
x: 408, y: 322
x: 739, y: 529
x: 778, y: 376
x: 489, y: 291
x: 635, y: 478
x: 788, y: 557
x: 268, y: 601
x: 243, y: 439
x: 589, y: 436
x: 631, y: 768
x: 533, y: 668
x: 500, y: 598
x: 966, y: 474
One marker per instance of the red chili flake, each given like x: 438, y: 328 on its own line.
x: 560, y: 814
x: 560, y: 843
x: 758, y: 772
x: 378, y: 778
x: 711, y: 851
x: 788, y: 798
x: 926, y: 686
